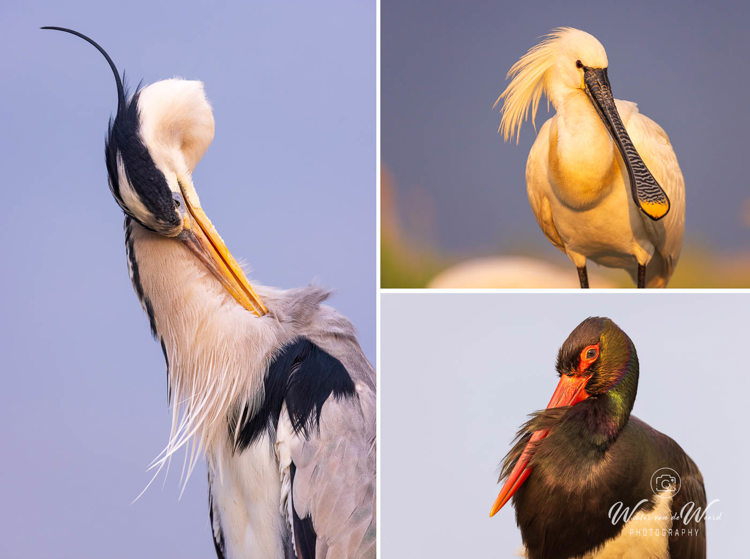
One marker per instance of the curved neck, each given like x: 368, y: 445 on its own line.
x: 598, y: 421
x: 216, y: 351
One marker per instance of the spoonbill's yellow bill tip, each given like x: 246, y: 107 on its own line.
x: 655, y: 210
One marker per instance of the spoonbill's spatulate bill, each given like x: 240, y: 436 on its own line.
x: 270, y: 384
x: 602, y: 179
x: 579, y: 463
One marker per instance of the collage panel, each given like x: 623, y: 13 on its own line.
x: 366, y: 373
x: 557, y: 145
x: 461, y: 374
x: 187, y: 300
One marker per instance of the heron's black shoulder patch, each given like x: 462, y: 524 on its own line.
x: 303, y: 377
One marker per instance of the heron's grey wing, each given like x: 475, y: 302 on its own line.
x: 327, y: 457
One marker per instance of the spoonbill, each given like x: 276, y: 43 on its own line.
x: 583, y: 467
x: 603, y: 180
x: 271, y: 384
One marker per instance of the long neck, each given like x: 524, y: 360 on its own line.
x: 216, y: 351
x: 594, y: 424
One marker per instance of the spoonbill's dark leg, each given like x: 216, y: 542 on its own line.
x: 641, y: 276
x: 583, y: 277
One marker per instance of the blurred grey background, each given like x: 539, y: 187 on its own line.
x: 289, y: 183
x: 460, y: 374
x: 452, y: 189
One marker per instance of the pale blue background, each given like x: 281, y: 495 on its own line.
x: 289, y: 183
x: 444, y: 63
x: 460, y: 374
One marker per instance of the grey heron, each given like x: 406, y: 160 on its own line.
x: 602, y: 179
x: 270, y: 385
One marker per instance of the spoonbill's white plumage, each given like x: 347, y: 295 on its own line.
x: 602, y: 179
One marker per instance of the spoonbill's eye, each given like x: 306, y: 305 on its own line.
x: 579, y: 64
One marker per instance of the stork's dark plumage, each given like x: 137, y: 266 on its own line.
x: 271, y: 385
x: 575, y: 461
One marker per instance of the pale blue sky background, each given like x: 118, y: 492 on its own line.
x: 460, y: 374
x: 685, y: 63
x: 289, y: 183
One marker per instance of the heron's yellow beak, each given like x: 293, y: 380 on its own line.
x: 202, y: 238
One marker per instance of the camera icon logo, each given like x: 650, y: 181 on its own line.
x: 665, y: 479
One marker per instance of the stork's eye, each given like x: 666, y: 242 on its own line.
x: 589, y: 354
x: 579, y: 64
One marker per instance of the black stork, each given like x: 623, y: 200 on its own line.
x: 588, y: 479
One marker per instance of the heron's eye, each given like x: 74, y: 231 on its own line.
x: 176, y: 202
x: 579, y: 64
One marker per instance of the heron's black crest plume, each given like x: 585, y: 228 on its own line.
x: 118, y: 81
x: 124, y: 142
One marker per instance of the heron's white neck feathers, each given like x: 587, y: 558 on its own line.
x: 217, y: 351
x: 548, y: 68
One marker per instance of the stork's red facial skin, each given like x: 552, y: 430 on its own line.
x: 570, y: 391
x: 589, y: 354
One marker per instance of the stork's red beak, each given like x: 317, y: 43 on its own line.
x: 569, y: 391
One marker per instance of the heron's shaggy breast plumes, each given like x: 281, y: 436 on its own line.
x: 530, y: 74
x: 217, y: 352
x: 205, y: 336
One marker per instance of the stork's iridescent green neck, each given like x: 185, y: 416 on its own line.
x: 611, y: 379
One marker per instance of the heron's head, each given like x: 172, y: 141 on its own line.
x: 155, y: 141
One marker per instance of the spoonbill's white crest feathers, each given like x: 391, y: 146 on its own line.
x: 602, y: 179
x: 271, y: 386
x: 542, y: 70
